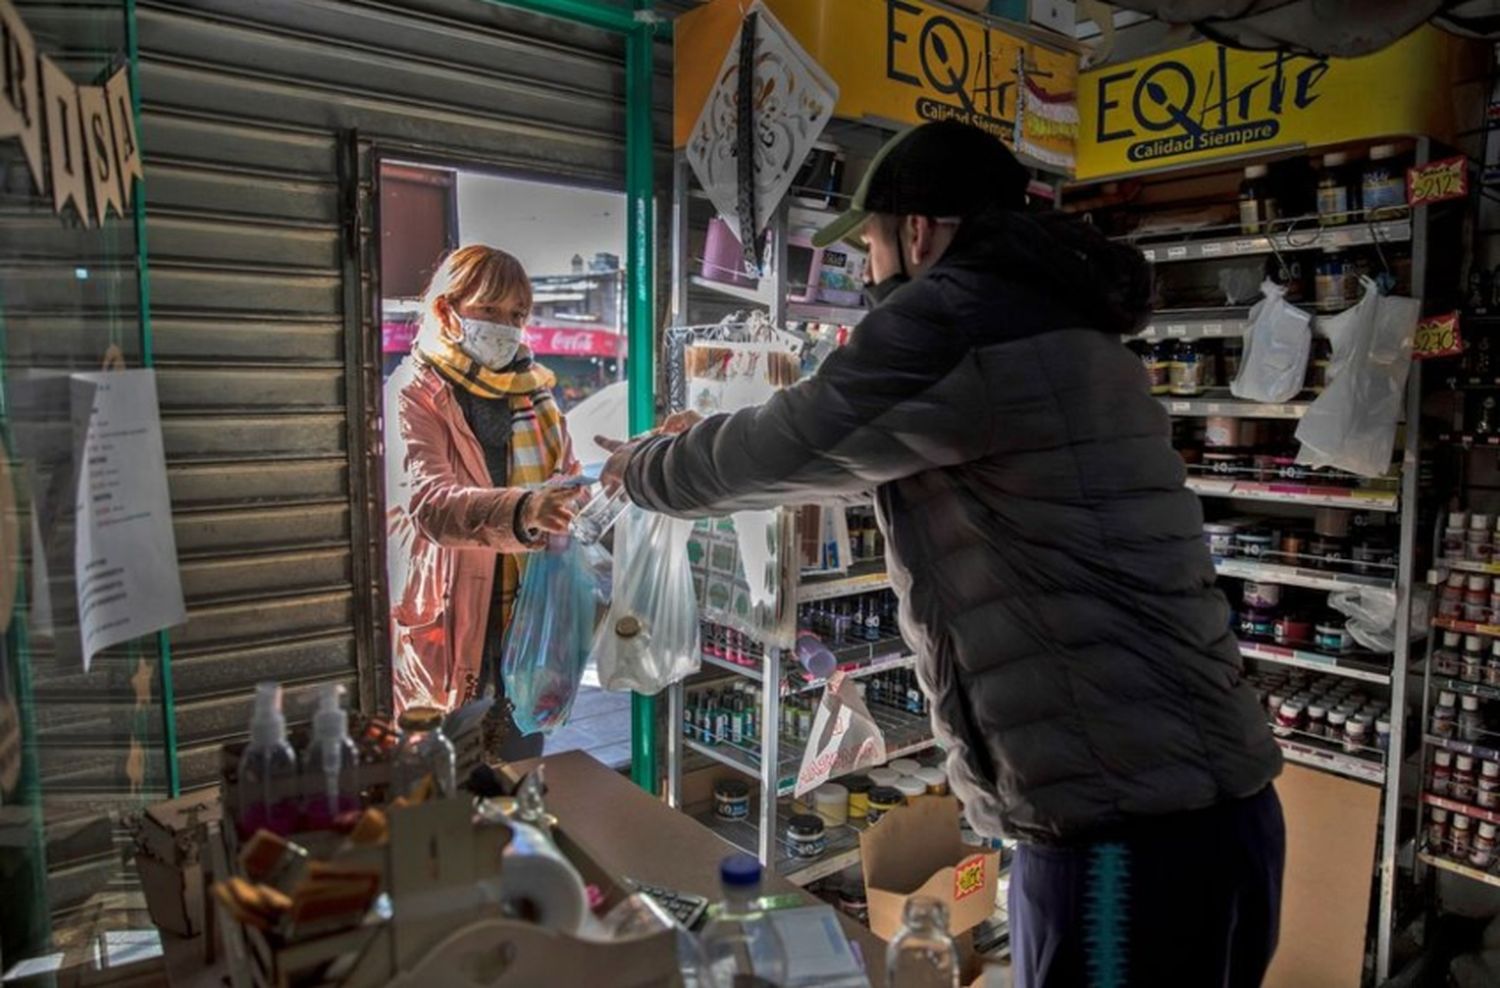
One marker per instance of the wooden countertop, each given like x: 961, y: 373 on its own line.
x: 636, y: 835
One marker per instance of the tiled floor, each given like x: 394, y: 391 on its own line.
x: 600, y: 725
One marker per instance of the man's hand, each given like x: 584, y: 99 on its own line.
x: 550, y: 509
x: 620, y: 452
x: 679, y: 422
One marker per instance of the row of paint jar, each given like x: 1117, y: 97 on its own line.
x: 1338, y: 714
x: 1462, y: 719
x: 1470, y: 597
x: 1460, y: 838
x: 1464, y: 657
x: 1455, y: 777
x: 1469, y: 537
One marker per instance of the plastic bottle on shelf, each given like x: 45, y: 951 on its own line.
x: 1336, y: 191
x: 1437, y: 829
x: 1447, y: 657
x: 1465, y: 782
x: 1482, y: 850
x: 1471, y: 666
x: 1487, y: 790
x: 814, y: 656
x: 1451, y: 597
x: 1383, y: 185
x: 1492, y: 666
x: 330, y: 784
x: 1460, y: 836
x: 268, y: 769
x: 922, y: 955
x: 1440, y: 779
x: 1444, y: 715
x: 740, y: 944
x: 1257, y: 204
x: 1470, y: 720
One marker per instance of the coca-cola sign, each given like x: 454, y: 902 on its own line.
x: 558, y: 341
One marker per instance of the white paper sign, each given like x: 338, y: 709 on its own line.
x: 845, y: 738
x: 124, y: 553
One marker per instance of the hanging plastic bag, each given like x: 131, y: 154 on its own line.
x: 845, y: 738
x: 551, y: 630
x: 1277, y: 344
x: 1352, y: 424
x: 649, y: 638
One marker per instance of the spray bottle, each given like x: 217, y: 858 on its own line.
x: 330, y: 765
x: 268, y: 769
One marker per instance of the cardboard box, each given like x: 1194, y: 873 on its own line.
x: 916, y: 850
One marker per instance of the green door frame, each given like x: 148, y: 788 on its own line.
x: 639, y: 28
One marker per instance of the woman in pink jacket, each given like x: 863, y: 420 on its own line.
x: 473, y: 435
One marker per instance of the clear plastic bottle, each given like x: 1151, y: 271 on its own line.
x: 599, y: 515
x: 814, y: 656
x: 923, y: 954
x: 740, y: 944
x: 424, y: 750
x: 330, y: 766
x: 268, y: 769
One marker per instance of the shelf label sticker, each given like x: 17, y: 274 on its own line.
x: 1437, y: 181
x: 1438, y: 336
x: 1244, y: 246
x: 968, y: 877
x: 1181, y: 407
x: 1149, y: 254
x: 1213, y: 328
x: 1212, y: 249
x: 1177, y: 329
x: 1176, y: 253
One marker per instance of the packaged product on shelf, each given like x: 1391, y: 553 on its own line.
x: 1335, y: 283
x: 1465, y: 785
x: 1477, y: 599
x: 1470, y: 720
x: 1447, y: 657
x: 1186, y: 374
x: 1471, y: 663
x: 1257, y: 201
x: 1460, y: 836
x: 1487, y: 789
x: 1444, y: 715
x: 1383, y: 184
x: 1437, y: 829
x: 1440, y: 778
x: 1483, y: 853
x: 732, y: 799
x: 1492, y: 665
x: 1337, y: 192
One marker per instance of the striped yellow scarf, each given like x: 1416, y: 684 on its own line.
x: 538, y: 441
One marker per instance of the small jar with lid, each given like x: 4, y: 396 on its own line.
x: 1460, y: 836
x: 1185, y: 378
x: 1470, y: 720
x: 1447, y: 658
x: 1465, y: 787
x: 1472, y: 663
x: 1451, y: 596
x: 1437, y: 829
x: 883, y: 776
x: 1492, y: 666
x: 1336, y: 190
x: 1332, y: 636
x: 1356, y: 734
x: 1482, y: 853
x: 910, y: 787
x: 1288, y: 720
x: 1383, y: 184
x: 1338, y: 724
x: 1440, y: 778
x: 1334, y: 284
x: 883, y: 799
x: 831, y: 802
x: 1160, y: 367
x: 1263, y: 595
x: 1317, y: 719
x: 1257, y: 202
x: 1253, y: 543
x: 903, y: 766
x: 935, y: 779
x: 1382, y: 732
x: 1445, y: 715
x: 1454, y: 540
x: 853, y: 903
x: 1477, y: 599
x: 732, y: 799
x: 1487, y: 787
x: 1256, y: 623
x: 806, y: 835
x: 859, y: 787
x: 1293, y: 630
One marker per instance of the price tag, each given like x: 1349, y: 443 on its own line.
x: 1181, y: 407
x: 1149, y: 253
x: 1176, y: 329
x: 1244, y: 246
x: 1213, y: 329
x: 1214, y: 408
x: 1212, y: 249
x: 1176, y: 253
x: 968, y: 877
x: 1437, y: 181
x: 1438, y: 336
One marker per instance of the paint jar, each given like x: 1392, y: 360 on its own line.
x: 883, y: 799
x: 859, y: 787
x: 1257, y: 624
x: 1492, y: 666
x: 1437, y: 829
x: 1447, y: 658
x: 1332, y: 636
x: 853, y: 903
x: 1470, y: 720
x: 1451, y: 597
x: 935, y: 779
x: 1477, y: 599
x: 1253, y: 544
x: 1293, y: 631
x: 732, y: 799
x: 1317, y: 720
x: 1338, y: 722
x: 806, y: 835
x: 910, y: 787
x: 1465, y: 787
x: 1274, y: 699
x: 1444, y: 715
x: 1482, y: 855
x: 1382, y: 732
x: 831, y: 802
x: 1356, y: 734
x: 1440, y: 779
x: 1487, y: 788
x: 1288, y: 720
x: 1186, y: 375
x: 1221, y: 432
x: 903, y: 766
x: 1257, y: 202
x: 1460, y: 836
x: 1334, y: 282
x: 1220, y: 539
x: 1383, y: 184
x: 1471, y: 663
x: 1336, y: 190
x: 883, y: 776
x: 1454, y: 541
x: 1263, y: 595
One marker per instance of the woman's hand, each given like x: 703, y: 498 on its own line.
x: 550, y: 509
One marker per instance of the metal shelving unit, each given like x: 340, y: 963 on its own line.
x: 1289, y: 236
x: 1313, y: 496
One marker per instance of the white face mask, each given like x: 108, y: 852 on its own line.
x: 493, y: 344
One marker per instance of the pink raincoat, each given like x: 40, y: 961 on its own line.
x: 446, y: 521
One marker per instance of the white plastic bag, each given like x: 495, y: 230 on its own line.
x: 1277, y: 344
x: 845, y: 738
x: 649, y: 638
x: 1352, y: 424
x: 1372, y: 615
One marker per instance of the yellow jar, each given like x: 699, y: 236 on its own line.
x: 883, y: 799
x: 859, y: 787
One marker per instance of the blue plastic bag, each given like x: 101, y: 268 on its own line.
x: 550, y: 634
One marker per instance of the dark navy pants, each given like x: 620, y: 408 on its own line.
x: 1192, y: 900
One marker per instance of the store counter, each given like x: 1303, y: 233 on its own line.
x: 634, y: 834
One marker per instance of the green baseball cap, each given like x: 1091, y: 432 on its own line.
x: 943, y: 169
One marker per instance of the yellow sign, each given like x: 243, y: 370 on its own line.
x: 902, y: 62
x: 1207, y: 101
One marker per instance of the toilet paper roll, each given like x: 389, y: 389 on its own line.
x: 539, y: 885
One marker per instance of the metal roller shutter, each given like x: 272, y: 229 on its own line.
x: 262, y: 315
